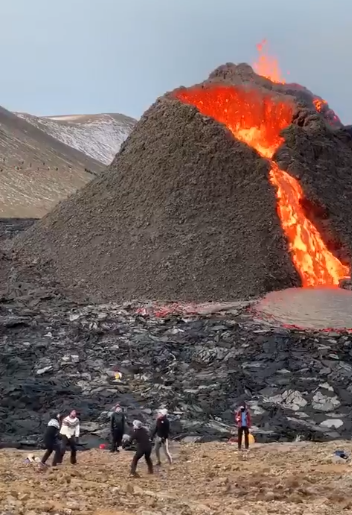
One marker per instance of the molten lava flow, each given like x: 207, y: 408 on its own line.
x: 315, y: 264
x: 257, y: 120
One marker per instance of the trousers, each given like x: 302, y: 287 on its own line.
x: 164, y: 444
x: 60, y: 452
x: 138, y: 455
x: 243, y: 431
x: 116, y: 439
x: 50, y: 448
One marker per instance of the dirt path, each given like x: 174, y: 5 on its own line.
x: 205, y: 479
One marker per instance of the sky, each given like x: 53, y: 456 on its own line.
x: 93, y: 56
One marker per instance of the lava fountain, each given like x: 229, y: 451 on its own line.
x: 268, y: 66
x: 257, y: 119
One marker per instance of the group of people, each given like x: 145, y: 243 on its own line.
x: 142, y: 438
x: 63, y: 432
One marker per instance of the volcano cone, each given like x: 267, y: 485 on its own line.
x: 193, y: 208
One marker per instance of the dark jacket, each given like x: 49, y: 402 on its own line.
x: 142, y: 439
x: 51, y: 435
x: 162, y: 428
x: 117, y: 422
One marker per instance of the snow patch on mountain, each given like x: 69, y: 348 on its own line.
x: 98, y: 136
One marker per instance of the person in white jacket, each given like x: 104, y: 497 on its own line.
x: 70, y: 429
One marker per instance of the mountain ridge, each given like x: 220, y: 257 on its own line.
x: 99, y: 136
x: 37, y: 170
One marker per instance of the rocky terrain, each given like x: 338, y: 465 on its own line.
x: 199, y: 366
x: 98, y: 135
x: 10, y: 227
x: 199, y: 361
x: 210, y: 479
x: 37, y: 170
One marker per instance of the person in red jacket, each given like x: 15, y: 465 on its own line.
x: 243, y: 421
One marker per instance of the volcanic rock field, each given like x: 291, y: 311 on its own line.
x: 223, y: 193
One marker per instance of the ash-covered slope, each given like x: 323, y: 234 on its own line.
x: 99, y: 136
x: 36, y: 170
x: 186, y: 212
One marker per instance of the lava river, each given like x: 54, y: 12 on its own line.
x: 257, y: 120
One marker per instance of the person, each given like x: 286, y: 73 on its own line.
x: 69, y: 432
x: 144, y: 447
x: 51, y: 438
x: 243, y: 421
x: 161, y: 434
x: 117, y: 428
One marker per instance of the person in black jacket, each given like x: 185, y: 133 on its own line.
x: 117, y: 428
x: 144, y: 447
x: 51, y: 437
x: 162, y: 433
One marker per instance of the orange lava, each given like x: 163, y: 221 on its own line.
x: 257, y: 120
x: 319, y: 104
x: 267, y: 66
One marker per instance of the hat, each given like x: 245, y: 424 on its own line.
x: 162, y: 412
x: 137, y: 424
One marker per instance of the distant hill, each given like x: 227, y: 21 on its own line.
x: 98, y: 135
x: 37, y: 170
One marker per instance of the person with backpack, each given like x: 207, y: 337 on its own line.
x: 243, y: 421
x: 70, y: 430
x: 117, y: 428
x: 140, y: 435
x: 161, y: 434
x: 51, y: 438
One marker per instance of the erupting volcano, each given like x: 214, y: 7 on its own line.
x: 227, y: 190
x: 258, y: 120
x: 268, y: 66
